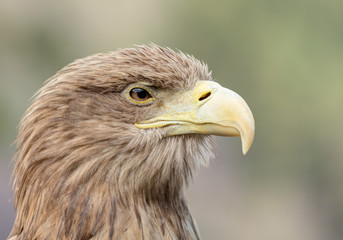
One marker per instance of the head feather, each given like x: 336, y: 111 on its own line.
x: 84, y: 170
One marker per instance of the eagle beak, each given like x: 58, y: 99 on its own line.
x: 207, y: 109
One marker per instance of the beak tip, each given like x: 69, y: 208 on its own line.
x: 247, y: 142
x: 245, y: 150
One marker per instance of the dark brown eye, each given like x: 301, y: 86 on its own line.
x: 140, y: 94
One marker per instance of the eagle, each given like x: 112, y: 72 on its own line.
x: 110, y: 142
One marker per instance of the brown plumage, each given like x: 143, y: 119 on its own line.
x: 84, y: 170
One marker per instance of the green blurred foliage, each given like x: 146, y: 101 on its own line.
x: 284, y: 57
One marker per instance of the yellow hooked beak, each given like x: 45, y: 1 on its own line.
x: 207, y: 109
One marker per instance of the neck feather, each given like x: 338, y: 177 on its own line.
x: 120, y: 192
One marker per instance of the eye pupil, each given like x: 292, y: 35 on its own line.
x: 140, y: 94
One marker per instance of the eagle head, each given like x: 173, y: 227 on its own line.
x: 110, y: 141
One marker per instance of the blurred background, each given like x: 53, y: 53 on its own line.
x: 285, y: 58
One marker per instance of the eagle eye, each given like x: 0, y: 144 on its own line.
x: 139, y: 95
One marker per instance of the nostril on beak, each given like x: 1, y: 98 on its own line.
x: 204, y: 96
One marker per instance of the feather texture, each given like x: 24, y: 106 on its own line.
x: 84, y: 171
